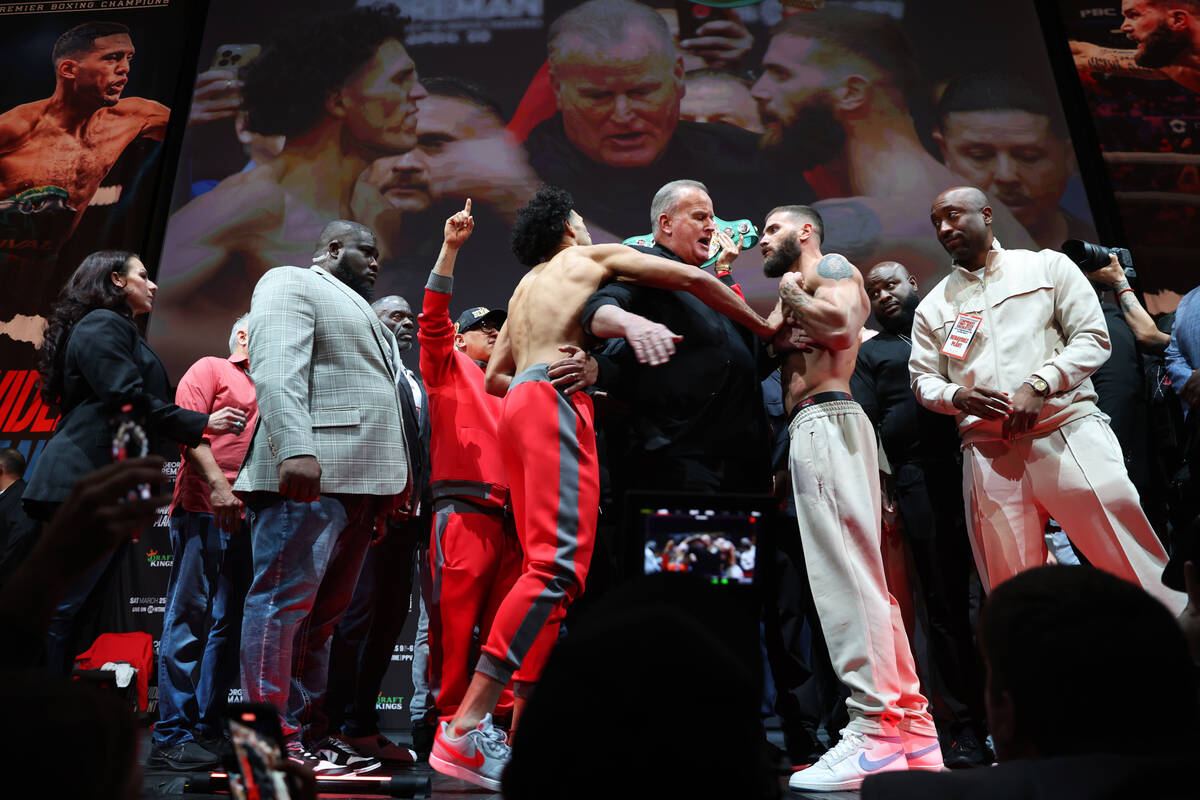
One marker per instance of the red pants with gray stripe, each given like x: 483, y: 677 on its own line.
x: 549, y: 447
x: 475, y: 560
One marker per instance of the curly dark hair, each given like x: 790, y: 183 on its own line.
x: 539, y: 227
x: 89, y: 288
x: 310, y: 58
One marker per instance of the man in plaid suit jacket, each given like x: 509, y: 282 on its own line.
x: 328, y: 459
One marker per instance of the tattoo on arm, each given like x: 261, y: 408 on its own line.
x: 1118, y: 62
x: 794, y: 298
x: 1128, y: 301
x: 834, y: 267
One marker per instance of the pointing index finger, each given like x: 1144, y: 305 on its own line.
x: 467, y: 207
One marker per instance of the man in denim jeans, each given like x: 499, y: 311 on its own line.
x: 327, y: 465
x: 211, y: 570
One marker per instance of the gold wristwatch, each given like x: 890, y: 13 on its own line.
x: 1039, y: 386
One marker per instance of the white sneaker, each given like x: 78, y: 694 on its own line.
x: 855, y: 757
x: 922, y: 752
x: 478, y: 756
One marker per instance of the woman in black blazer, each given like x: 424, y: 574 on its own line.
x: 94, y: 362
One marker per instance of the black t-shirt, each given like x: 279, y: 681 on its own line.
x: 725, y: 159
x: 707, y: 398
x: 908, y: 431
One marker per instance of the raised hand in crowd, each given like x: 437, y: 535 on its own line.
x: 459, y: 227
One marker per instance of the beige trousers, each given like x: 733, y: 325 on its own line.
x: 1076, y: 475
x: 835, y: 478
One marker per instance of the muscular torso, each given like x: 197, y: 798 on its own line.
x: 37, y: 151
x: 217, y: 247
x: 817, y: 368
x: 808, y: 373
x: 546, y: 306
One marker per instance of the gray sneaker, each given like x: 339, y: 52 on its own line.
x: 478, y: 756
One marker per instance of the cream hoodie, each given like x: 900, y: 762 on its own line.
x: 1040, y: 317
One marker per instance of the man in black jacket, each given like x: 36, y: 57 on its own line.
x: 697, y: 420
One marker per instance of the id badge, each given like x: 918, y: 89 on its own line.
x: 961, y: 335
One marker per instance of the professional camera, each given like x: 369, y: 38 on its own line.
x: 1091, y: 257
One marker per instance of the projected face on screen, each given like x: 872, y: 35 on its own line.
x: 713, y: 97
x: 620, y: 103
x: 380, y: 101
x: 1013, y: 156
x: 794, y: 100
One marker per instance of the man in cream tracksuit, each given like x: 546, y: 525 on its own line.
x: 1007, y: 342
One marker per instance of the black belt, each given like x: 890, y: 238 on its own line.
x: 817, y: 399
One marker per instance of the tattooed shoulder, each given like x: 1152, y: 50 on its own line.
x: 834, y: 267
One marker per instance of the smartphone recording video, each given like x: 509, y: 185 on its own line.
x: 258, y: 753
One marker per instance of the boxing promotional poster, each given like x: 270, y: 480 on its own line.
x: 1133, y: 67
x: 83, y: 122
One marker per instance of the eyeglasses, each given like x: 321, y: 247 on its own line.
x: 485, y: 327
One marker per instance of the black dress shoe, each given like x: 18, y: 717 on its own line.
x: 186, y: 757
x: 967, y: 751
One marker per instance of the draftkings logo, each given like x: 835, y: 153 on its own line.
x: 385, y: 703
x: 157, y: 559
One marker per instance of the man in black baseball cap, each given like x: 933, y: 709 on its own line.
x: 476, y: 330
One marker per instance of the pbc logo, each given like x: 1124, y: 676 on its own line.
x: 1087, y: 13
x: 156, y: 559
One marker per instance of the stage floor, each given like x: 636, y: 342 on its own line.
x: 166, y: 785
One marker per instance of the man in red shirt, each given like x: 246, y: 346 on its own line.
x: 211, y: 570
x: 474, y: 552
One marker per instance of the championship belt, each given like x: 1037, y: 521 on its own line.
x: 742, y: 231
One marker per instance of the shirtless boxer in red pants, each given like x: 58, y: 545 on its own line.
x: 549, y: 451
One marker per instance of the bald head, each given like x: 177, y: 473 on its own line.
x: 397, y: 316
x: 968, y: 196
x: 337, y: 231
x: 891, y: 268
x: 348, y: 251
x: 893, y: 295
x: 962, y: 219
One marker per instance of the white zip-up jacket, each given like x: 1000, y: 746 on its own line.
x: 1040, y: 317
